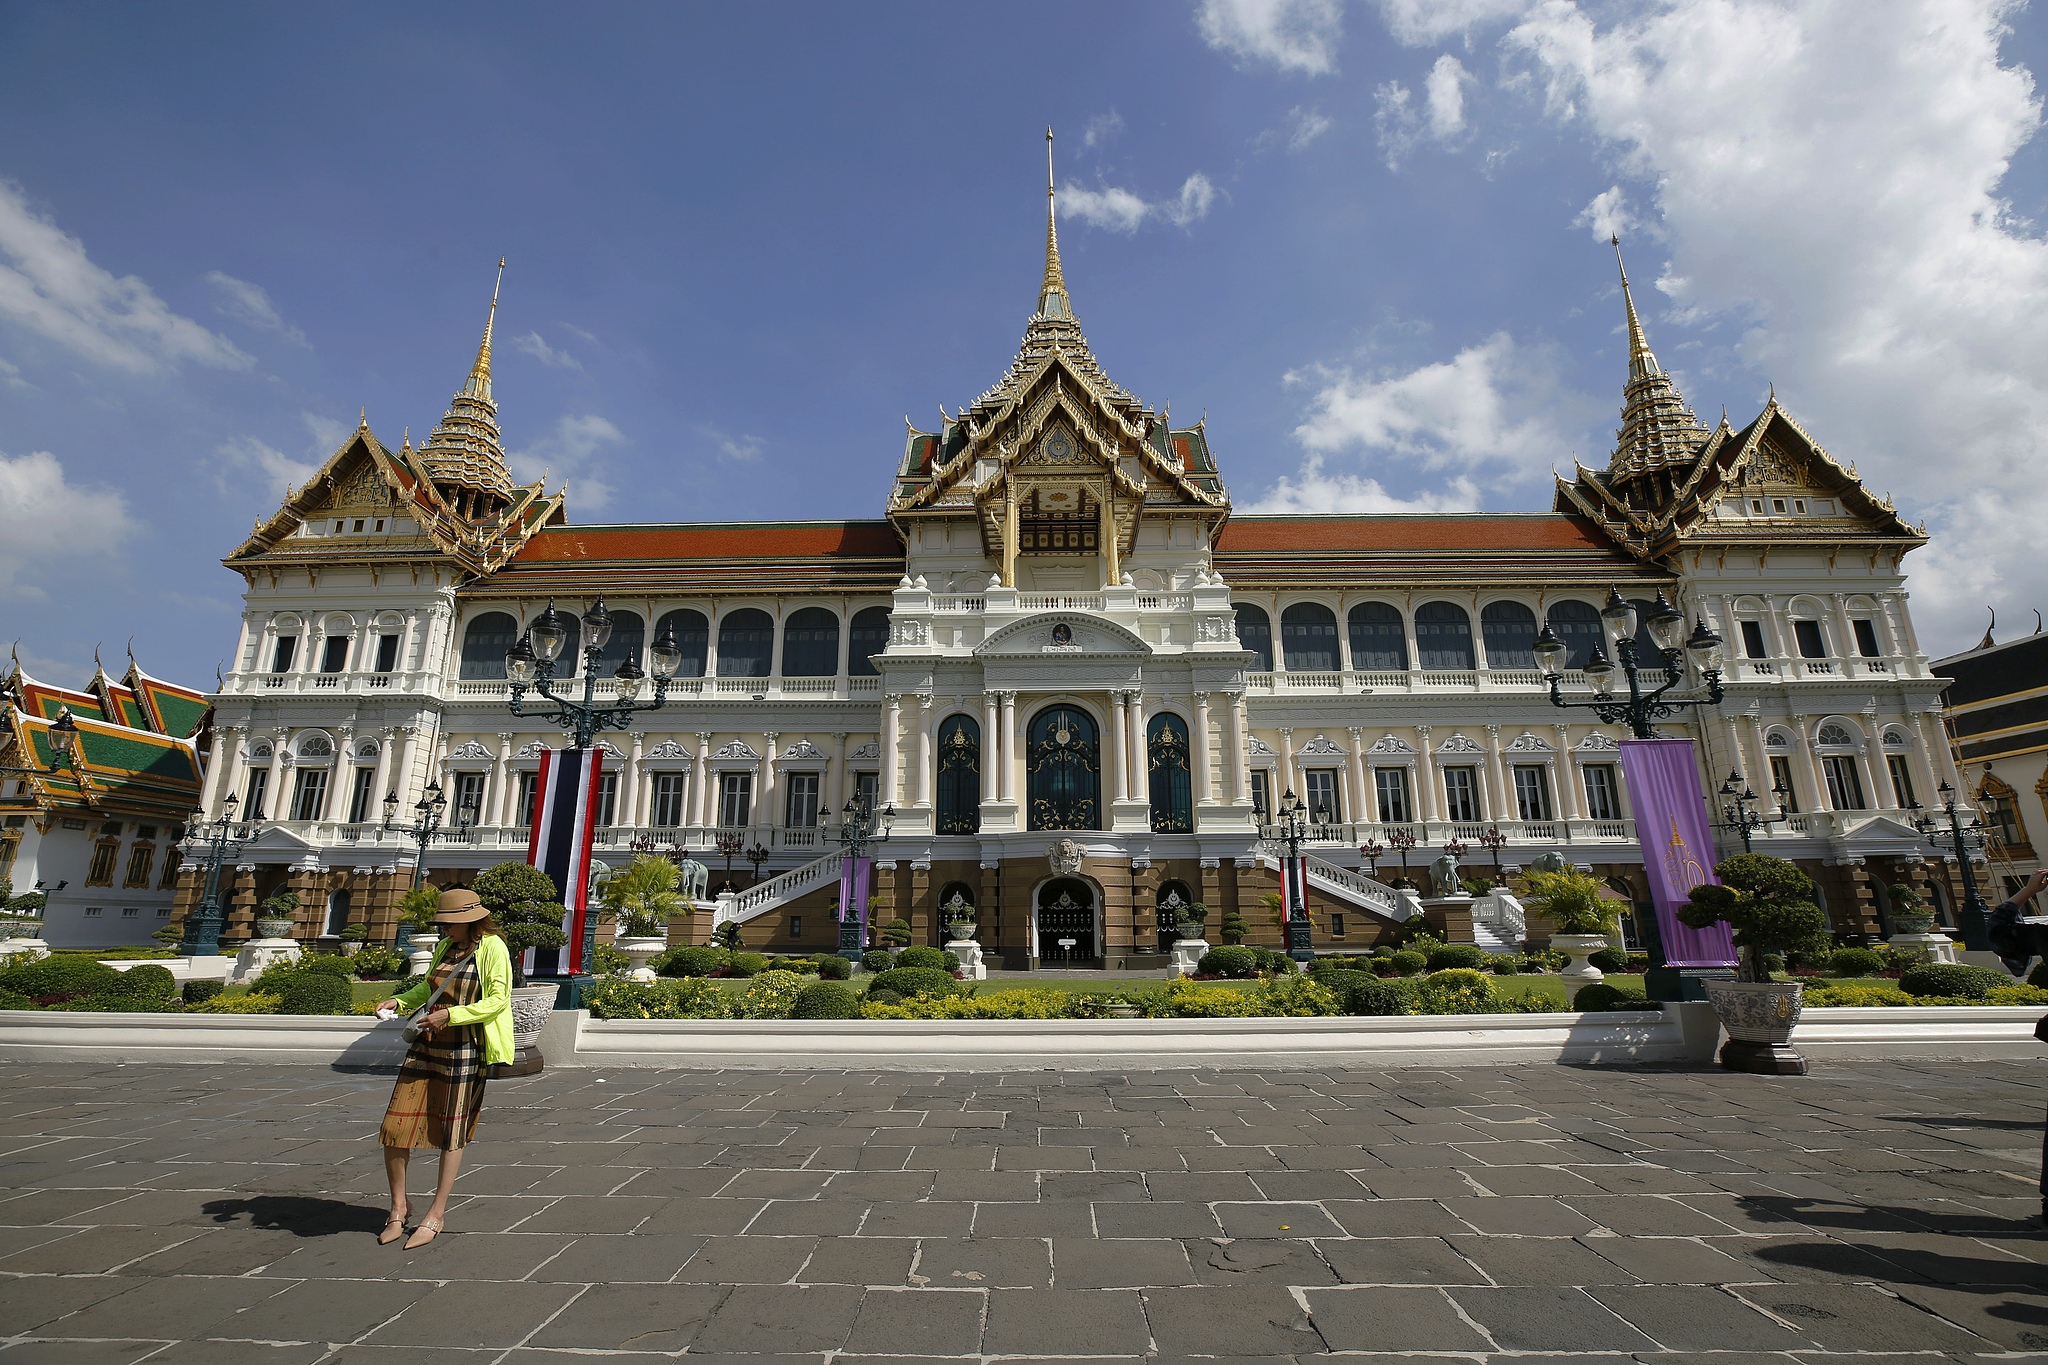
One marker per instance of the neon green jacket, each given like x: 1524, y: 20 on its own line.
x: 493, y: 1009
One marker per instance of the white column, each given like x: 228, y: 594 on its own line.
x: 1205, y: 793
x: 1140, y: 788
x: 502, y: 799
x: 1289, y: 781
x: 381, y: 785
x: 1812, y: 765
x: 1354, y: 770
x: 703, y: 777
x: 1429, y: 780
x: 765, y: 812
x: 342, y: 774
x: 926, y: 707
x: 1736, y: 758
x: 1240, y: 761
x: 1501, y: 804
x: 1934, y: 770
x: 1571, y: 783
x: 626, y: 810
x: 991, y: 745
x: 835, y: 780
x: 279, y: 799
x: 225, y: 759
x: 1119, y: 749
x: 1882, y: 796
x: 1011, y: 748
x: 892, y: 722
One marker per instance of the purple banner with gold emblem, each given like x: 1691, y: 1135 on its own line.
x: 855, y: 875
x: 1678, y: 845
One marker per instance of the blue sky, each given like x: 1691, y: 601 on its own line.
x: 1364, y: 238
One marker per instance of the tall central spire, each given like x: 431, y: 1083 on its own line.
x: 1641, y: 363
x: 465, y: 455
x: 1658, y: 431
x: 479, y: 384
x: 1052, y: 295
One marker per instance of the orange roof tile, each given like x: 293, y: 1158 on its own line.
x: 1477, y: 531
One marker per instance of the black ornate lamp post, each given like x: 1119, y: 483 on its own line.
x: 1738, y: 814
x: 1639, y: 709
x: 1974, y: 920
x: 1402, y: 839
x: 1292, y: 830
x: 426, y: 827
x: 1370, y: 851
x: 858, y: 828
x: 757, y: 855
x: 531, y: 664
x: 1494, y: 840
x: 219, y: 840
x: 729, y: 842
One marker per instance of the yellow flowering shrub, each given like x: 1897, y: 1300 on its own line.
x: 251, y: 1003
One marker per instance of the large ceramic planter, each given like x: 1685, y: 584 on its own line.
x: 960, y: 932
x: 275, y: 928
x: 641, y: 949
x: 531, y: 1006
x: 1579, y: 973
x: 1759, y: 1017
x: 420, y: 951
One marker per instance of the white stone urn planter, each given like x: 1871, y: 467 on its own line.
x: 275, y: 928
x: 972, y: 967
x: 420, y: 950
x: 960, y: 931
x: 1759, y: 1017
x: 531, y: 1007
x: 641, y: 949
x: 1187, y: 953
x: 1579, y: 973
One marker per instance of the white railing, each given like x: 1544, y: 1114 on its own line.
x: 1172, y: 601
x: 1378, y: 897
x: 959, y: 604
x: 1431, y: 835
x: 1499, y: 910
x: 1436, y: 678
x: 780, y: 890
x: 1060, y: 601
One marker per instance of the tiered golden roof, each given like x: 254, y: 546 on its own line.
x: 1658, y: 431
x: 465, y: 456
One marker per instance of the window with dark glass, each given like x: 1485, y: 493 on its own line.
x: 101, y: 870
x: 259, y: 787
x: 1866, y: 638
x: 1062, y: 760
x: 959, y: 775
x: 141, y: 858
x: 629, y: 634
x: 287, y: 649
x: 800, y: 808
x: 469, y: 794
x: 2002, y: 817
x: 866, y: 790
x: 746, y: 644
x: 607, y: 799
x: 387, y: 653
x: 1578, y: 625
x: 337, y: 913
x: 522, y: 804
x: 1262, y: 795
x: 1166, y: 773
x: 1532, y: 791
x: 1255, y: 633
x: 1308, y: 638
x: 310, y: 794
x: 1461, y: 794
x: 485, y: 642
x: 1320, y: 791
x: 735, y: 799
x: 668, y: 800
x: 362, y: 795
x: 692, y: 633
x: 810, y: 644
x: 1377, y: 638
x: 1390, y: 785
x: 1510, y: 632
x: 1603, y: 799
x: 1902, y: 778
x: 334, y: 654
x: 1443, y: 637
x: 1781, y: 782
x: 1753, y: 640
x: 867, y: 636
x: 1812, y: 644
x: 1845, y: 787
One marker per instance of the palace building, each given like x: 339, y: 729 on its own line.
x: 1057, y: 629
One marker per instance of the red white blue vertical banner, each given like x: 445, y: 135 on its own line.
x: 564, y: 827
x: 855, y: 876
x: 1677, y: 839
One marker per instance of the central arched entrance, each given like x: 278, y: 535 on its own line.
x: 1067, y: 934
x: 1062, y: 756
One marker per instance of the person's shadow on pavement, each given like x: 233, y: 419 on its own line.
x: 300, y: 1215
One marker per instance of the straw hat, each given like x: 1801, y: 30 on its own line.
x: 460, y: 906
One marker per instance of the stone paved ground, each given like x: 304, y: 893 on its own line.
x: 228, y: 1215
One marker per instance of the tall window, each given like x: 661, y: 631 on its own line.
x: 362, y: 796
x: 1443, y: 636
x: 1262, y: 795
x: 1510, y: 631
x: 469, y: 794
x: 1845, y: 788
x: 259, y: 788
x: 2002, y: 818
x: 867, y: 788
x: 800, y: 807
x: 693, y: 636
x: 1166, y: 775
x: 1866, y: 638
x: 607, y: 799
x: 522, y: 807
x: 1321, y: 793
x: 1902, y: 778
x: 1578, y: 625
x: 668, y: 800
x: 101, y: 870
x: 629, y: 633
x: 959, y: 775
x: 866, y: 636
x: 141, y: 859
x: 810, y: 644
x: 1781, y: 781
x: 1532, y: 791
x: 310, y: 794
x: 1753, y: 640
x: 387, y: 653
x: 1255, y: 633
x: 485, y: 642
x: 1603, y: 798
x: 286, y: 650
x: 334, y: 654
x: 1812, y: 644
x: 172, y: 861
x: 1308, y: 638
x: 1062, y: 762
x: 1377, y: 638
x: 746, y: 643
x: 735, y: 799
x: 1390, y: 785
x: 1461, y: 794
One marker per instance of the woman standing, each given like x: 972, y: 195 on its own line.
x: 440, y: 1088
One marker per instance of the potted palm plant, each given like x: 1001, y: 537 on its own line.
x: 1581, y: 920
x: 1768, y: 903
x: 640, y: 901
x: 416, y: 910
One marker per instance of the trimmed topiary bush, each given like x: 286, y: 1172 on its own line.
x: 1365, y: 993
x: 1469, y: 955
x: 1601, y: 996
x: 877, y: 960
x: 909, y: 981
x: 315, y: 993
x: 1408, y: 962
x: 1295, y: 997
x: 1457, y: 990
x: 1951, y: 979
x: 1609, y: 960
x: 746, y: 964
x: 1854, y: 962
x: 884, y: 997
x: 59, y: 978
x: 151, y: 986
x: 826, y: 1000
x: 832, y: 967
x: 1504, y: 964
x: 690, y: 961
x: 199, y: 992
x: 1232, y: 960
x: 927, y: 957
x: 771, y: 995
x: 331, y: 964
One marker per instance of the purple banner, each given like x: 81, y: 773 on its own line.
x: 1678, y: 845
x: 855, y: 876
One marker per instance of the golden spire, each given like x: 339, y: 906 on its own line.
x: 464, y: 454
x: 480, y: 373
x: 1640, y: 361
x: 1052, y: 295
x: 1658, y: 431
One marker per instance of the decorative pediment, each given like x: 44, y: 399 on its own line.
x: 1320, y: 745
x: 1261, y: 749
x: 1460, y: 744
x: 1391, y: 744
x: 1599, y: 742
x: 533, y: 750
x: 668, y: 749
x: 1062, y: 633
x: 469, y: 749
x: 803, y: 748
x: 871, y: 749
x: 1529, y: 743
x: 739, y: 748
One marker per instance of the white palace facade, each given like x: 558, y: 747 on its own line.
x: 1057, y: 629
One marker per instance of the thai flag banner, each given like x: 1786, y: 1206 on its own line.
x: 564, y: 827
x: 1677, y: 838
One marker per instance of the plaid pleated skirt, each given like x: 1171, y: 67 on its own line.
x: 440, y: 1088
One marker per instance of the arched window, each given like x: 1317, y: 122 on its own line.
x: 316, y: 746
x: 337, y: 914
x: 810, y: 644
x: 1510, y: 631
x: 1578, y: 625
x: 571, y: 657
x: 1377, y: 639
x: 1647, y: 653
x: 1166, y: 764
x: 1835, y: 735
x: 956, y: 903
x: 1308, y: 638
x: 629, y: 633
x: 1062, y: 760
x: 485, y: 643
x: 1443, y: 637
x: 959, y: 762
x: 693, y: 637
x: 746, y: 643
x: 1170, y: 905
x: 1255, y: 633
x: 868, y: 636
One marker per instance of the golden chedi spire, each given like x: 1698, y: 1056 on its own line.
x: 1658, y: 431
x: 1052, y: 294
x: 465, y: 456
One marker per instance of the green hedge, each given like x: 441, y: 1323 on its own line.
x: 928, y: 957
x: 1952, y: 979
x: 826, y: 1000
x: 909, y: 981
x: 1230, y: 960
x: 56, y: 979
x: 690, y: 961
x: 315, y: 993
x: 1468, y: 955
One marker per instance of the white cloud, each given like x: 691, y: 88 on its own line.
x: 248, y: 303
x: 1402, y: 127
x: 247, y: 465
x: 53, y: 525
x: 738, y: 449
x: 566, y: 454
x: 1445, y: 86
x: 532, y: 344
x: 1314, y: 490
x: 327, y: 432
x: 49, y: 286
x: 1420, y: 22
x: 1293, y: 35
x: 1607, y: 214
x: 1306, y: 126
x: 1830, y: 176
x: 1121, y: 210
x: 1497, y: 406
x: 1102, y: 129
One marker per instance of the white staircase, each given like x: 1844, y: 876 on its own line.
x: 781, y: 889
x: 1356, y: 889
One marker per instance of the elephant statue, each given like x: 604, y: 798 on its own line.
x: 1552, y: 861
x: 690, y: 882
x: 1445, y: 873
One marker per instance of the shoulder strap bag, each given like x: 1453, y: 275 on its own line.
x: 415, y: 1023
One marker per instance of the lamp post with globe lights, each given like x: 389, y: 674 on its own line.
x: 218, y: 840
x: 1640, y: 709
x: 530, y: 665
x: 1965, y: 837
x: 1739, y: 814
x: 426, y: 826
x: 859, y: 827
x: 1291, y: 831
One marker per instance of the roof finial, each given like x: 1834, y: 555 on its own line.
x: 363, y: 419
x: 1640, y: 361
x: 1052, y: 294
x: 480, y: 373
x: 1987, y: 642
